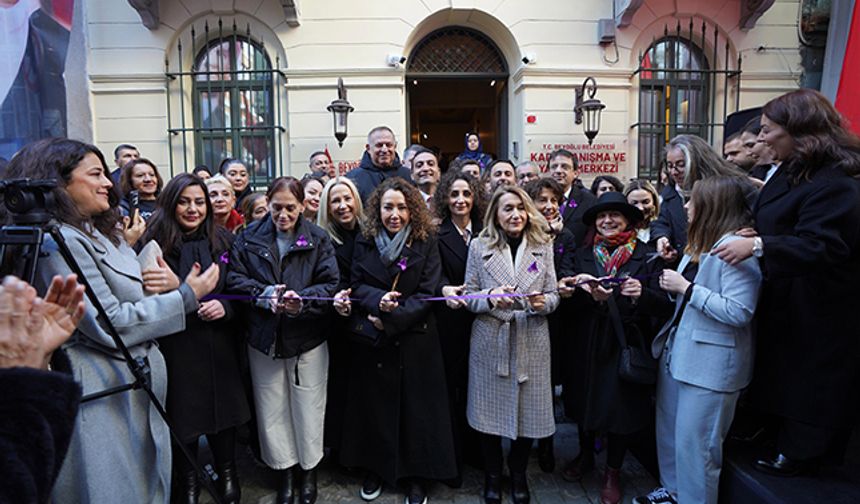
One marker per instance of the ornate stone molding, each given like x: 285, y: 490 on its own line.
x: 751, y: 11
x: 148, y: 11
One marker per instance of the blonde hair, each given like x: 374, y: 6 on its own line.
x: 220, y: 179
x: 536, y: 225
x: 644, y: 185
x: 323, y: 219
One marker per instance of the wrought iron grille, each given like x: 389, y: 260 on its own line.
x: 235, y: 98
x: 457, y: 50
x: 680, y: 94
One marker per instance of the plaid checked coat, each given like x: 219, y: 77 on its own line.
x: 510, y: 391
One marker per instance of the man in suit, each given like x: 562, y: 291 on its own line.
x: 564, y: 168
x: 122, y: 155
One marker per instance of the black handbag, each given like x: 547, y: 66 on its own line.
x: 635, y: 364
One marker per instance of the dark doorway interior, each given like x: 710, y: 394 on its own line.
x: 442, y: 110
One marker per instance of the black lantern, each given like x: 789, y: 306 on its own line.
x: 589, y: 108
x: 340, y: 109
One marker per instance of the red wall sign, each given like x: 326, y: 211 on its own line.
x: 596, y: 158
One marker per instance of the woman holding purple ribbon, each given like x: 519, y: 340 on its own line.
x: 340, y: 215
x: 204, y: 389
x: 460, y: 207
x: 510, y: 281
x: 616, y: 290
x: 287, y: 265
x: 398, y: 424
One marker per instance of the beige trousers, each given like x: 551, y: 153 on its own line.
x: 290, y: 396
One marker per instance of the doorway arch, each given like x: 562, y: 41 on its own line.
x: 456, y: 81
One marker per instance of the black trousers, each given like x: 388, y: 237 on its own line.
x: 803, y: 441
x: 518, y: 458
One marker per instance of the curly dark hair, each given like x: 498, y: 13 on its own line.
x: 56, y: 159
x: 440, y: 197
x: 419, y: 215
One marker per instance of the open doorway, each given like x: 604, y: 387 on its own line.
x: 441, y: 111
x: 456, y: 82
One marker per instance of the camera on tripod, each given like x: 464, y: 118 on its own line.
x: 28, y: 199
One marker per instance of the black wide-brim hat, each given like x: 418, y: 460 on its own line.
x: 613, y: 201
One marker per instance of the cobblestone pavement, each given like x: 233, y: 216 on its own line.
x: 335, y: 486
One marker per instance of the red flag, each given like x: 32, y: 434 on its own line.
x: 847, y: 99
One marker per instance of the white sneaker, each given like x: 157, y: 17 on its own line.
x: 657, y: 496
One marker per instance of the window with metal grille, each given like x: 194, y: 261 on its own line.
x: 456, y: 50
x: 235, y: 97
x: 678, y: 94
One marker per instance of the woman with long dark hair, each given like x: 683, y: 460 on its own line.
x: 459, y: 205
x: 510, y: 390
x: 399, y: 425
x: 807, y: 238
x: 204, y: 387
x: 280, y: 261
x: 142, y: 306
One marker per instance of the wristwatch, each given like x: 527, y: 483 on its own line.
x: 758, y: 247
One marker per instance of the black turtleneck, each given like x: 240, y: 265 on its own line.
x: 514, y: 244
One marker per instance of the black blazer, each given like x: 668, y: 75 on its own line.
x: 564, y: 253
x: 453, y: 252
x: 572, y: 212
x: 672, y: 221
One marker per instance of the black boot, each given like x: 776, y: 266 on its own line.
x: 309, y: 486
x: 492, y: 488
x: 190, y: 488
x: 546, y: 455
x: 228, y: 484
x: 286, y: 487
x: 519, y: 488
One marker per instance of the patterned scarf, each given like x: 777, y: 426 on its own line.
x: 623, y: 243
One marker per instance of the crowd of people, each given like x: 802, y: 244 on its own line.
x: 403, y: 322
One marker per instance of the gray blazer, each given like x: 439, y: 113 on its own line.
x: 510, y: 392
x: 712, y: 346
x: 120, y: 450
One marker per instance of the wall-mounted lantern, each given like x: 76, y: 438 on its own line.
x: 340, y: 109
x: 588, y: 109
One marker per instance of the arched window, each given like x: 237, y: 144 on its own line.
x: 674, y: 82
x: 233, y: 97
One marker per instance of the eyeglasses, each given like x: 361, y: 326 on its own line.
x: 676, y: 167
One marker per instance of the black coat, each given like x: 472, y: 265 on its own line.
x: 339, y: 350
x: 310, y: 269
x: 808, y: 345
x: 204, y: 386
x: 672, y: 221
x: 367, y: 176
x: 37, y: 418
x: 572, y: 212
x: 594, y: 396
x: 564, y: 255
x: 399, y: 424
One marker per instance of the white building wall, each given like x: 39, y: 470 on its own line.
x: 344, y: 38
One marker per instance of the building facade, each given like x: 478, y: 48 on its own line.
x: 192, y: 81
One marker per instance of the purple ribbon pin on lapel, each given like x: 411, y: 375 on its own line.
x: 533, y: 267
x: 402, y: 264
x: 560, y: 249
x: 224, y: 258
x: 301, y: 241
